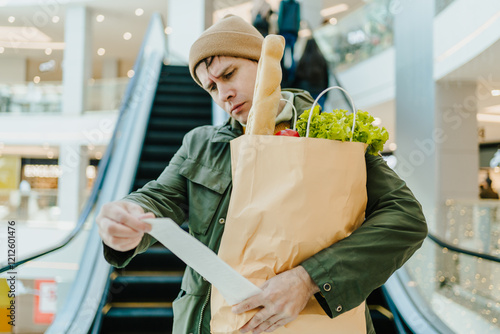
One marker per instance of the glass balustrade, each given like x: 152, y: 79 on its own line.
x: 462, y: 290
x: 474, y: 225
x: 360, y: 35
x: 363, y: 33
x: 46, y: 97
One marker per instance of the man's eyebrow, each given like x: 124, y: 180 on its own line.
x: 224, y: 70
x: 220, y: 73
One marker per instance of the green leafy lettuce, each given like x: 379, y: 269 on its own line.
x: 337, y: 125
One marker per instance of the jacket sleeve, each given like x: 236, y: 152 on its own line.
x: 394, y: 228
x: 165, y: 197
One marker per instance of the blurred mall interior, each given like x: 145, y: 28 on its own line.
x: 91, y: 94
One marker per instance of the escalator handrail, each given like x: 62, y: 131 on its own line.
x: 460, y: 250
x: 102, y: 170
x: 86, y: 291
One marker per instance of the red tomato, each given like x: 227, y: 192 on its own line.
x: 287, y: 132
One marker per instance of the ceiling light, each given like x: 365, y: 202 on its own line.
x: 127, y: 36
x: 22, y: 34
x: 50, y: 154
x: 334, y: 10
x: 36, y: 79
x: 11, y: 19
x: 130, y: 73
x: 55, y: 19
x: 333, y: 21
x: 481, y: 117
x: 99, y: 18
x: 98, y: 155
x: 168, y: 30
x: 393, y: 146
x: 101, y: 51
x: 32, y: 45
x: 2, y: 49
x: 495, y: 92
x: 139, y: 11
x: 90, y: 172
x: 48, y: 51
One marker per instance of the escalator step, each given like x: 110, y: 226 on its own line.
x: 156, y: 259
x: 168, y: 124
x: 176, y: 79
x: 177, y: 69
x: 158, y: 152
x: 382, y: 323
x: 148, y: 289
x: 160, y: 279
x: 138, y: 321
x: 188, y: 112
x: 139, y: 312
x: 164, y: 138
x: 185, y: 100
x: 149, y: 170
x: 188, y: 91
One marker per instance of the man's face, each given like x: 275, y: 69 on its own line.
x: 230, y: 81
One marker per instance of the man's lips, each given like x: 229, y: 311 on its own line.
x: 237, y: 108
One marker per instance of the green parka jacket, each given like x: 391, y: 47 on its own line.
x: 196, y: 187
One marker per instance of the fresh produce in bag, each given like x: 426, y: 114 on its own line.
x: 338, y: 125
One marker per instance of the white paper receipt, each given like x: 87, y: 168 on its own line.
x: 232, y: 285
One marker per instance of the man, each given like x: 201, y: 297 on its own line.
x: 198, y: 180
x: 288, y: 27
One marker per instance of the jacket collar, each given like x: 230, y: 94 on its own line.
x: 230, y: 130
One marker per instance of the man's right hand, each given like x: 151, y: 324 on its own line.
x: 120, y: 225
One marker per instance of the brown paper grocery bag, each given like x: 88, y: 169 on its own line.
x: 292, y: 197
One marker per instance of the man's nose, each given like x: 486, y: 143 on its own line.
x: 226, y: 93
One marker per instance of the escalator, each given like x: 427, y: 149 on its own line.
x: 138, y: 298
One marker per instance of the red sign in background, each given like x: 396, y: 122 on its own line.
x: 45, y: 305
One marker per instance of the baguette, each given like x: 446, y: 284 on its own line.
x: 267, y: 91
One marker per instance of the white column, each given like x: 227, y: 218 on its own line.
x: 77, y: 67
x: 109, y: 89
x: 458, y: 151
x: 415, y: 103
x: 310, y: 12
x: 72, y: 184
x: 436, y: 125
x: 185, y: 29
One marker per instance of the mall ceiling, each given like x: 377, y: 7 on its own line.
x: 116, y: 25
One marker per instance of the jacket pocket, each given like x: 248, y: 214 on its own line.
x: 187, y: 314
x: 206, y: 187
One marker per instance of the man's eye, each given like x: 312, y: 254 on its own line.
x: 228, y: 75
x: 212, y: 88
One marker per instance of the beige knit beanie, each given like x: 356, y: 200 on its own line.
x: 231, y: 36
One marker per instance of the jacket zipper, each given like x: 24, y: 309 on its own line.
x: 203, y: 309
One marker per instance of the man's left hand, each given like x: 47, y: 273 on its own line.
x: 282, y: 298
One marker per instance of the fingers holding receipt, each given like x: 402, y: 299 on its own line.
x: 233, y: 286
